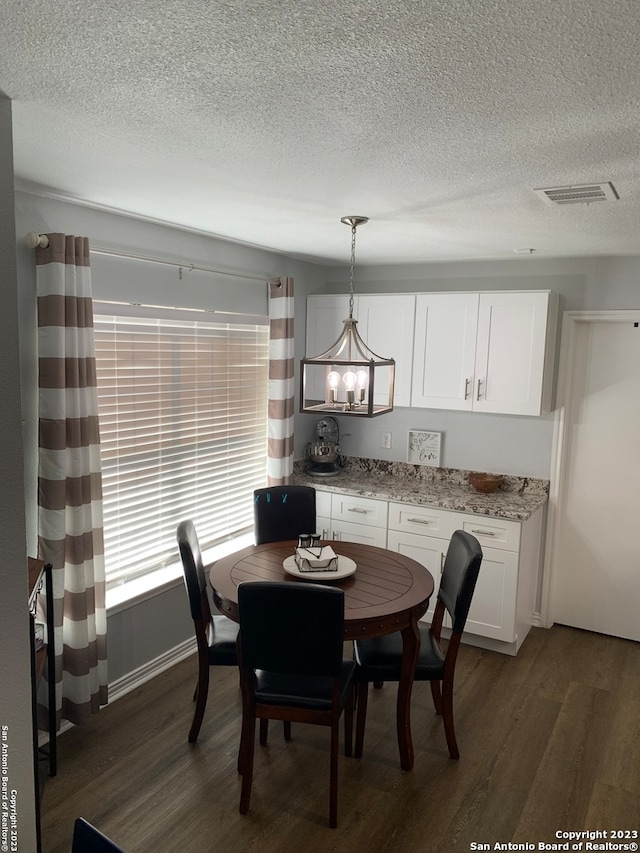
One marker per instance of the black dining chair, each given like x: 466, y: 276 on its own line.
x: 88, y: 839
x: 215, y: 634
x: 379, y: 659
x: 292, y: 668
x: 283, y: 512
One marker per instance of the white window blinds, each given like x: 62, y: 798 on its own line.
x: 183, y: 428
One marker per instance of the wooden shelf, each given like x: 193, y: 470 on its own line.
x: 36, y: 575
x: 41, y: 659
x: 38, y: 572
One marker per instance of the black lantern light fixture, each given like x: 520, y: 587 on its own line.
x: 350, y: 378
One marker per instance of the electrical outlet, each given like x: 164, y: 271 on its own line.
x: 386, y: 440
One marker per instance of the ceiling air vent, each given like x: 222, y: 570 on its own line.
x: 581, y: 194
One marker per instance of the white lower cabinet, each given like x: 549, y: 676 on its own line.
x: 503, y: 604
x: 426, y: 550
x: 422, y: 533
x: 502, y: 608
x: 323, y: 513
x: 493, y: 607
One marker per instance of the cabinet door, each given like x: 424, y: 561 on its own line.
x: 428, y: 551
x: 493, y: 606
x: 325, y: 321
x: 444, y: 350
x: 323, y: 526
x: 323, y: 503
x: 385, y: 323
x: 510, y: 353
x: 323, y: 513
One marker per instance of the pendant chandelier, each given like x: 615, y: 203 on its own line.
x: 355, y: 381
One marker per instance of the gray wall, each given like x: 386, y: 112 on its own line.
x: 492, y: 442
x: 145, y: 630
x: 16, y: 733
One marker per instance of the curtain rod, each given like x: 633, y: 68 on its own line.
x: 34, y: 240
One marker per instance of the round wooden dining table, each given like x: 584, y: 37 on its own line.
x: 388, y: 592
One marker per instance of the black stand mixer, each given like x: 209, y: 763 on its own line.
x: 324, y: 452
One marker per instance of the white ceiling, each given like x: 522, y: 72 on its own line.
x: 265, y: 121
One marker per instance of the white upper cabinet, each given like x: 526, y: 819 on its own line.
x: 485, y: 352
x: 325, y: 321
x: 481, y: 352
x: 445, y: 350
x: 513, y: 362
x: 385, y: 323
x: 325, y: 318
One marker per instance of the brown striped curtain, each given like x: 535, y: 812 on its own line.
x: 281, y: 382
x: 70, y: 483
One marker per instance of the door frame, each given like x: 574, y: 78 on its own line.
x: 571, y: 322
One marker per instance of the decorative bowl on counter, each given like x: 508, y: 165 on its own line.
x: 485, y: 483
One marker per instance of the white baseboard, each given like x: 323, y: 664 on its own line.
x: 121, y: 686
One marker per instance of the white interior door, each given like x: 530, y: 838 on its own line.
x: 595, y: 573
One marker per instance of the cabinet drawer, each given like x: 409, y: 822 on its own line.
x: 420, y: 520
x: 490, y: 532
x: 356, y: 510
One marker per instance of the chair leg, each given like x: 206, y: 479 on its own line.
x: 436, y: 694
x: 247, y: 744
x: 447, y: 717
x: 264, y: 731
x: 361, y: 716
x: 348, y: 724
x: 247, y: 738
x: 378, y: 685
x: 287, y: 729
x: 202, y: 689
x: 333, y: 775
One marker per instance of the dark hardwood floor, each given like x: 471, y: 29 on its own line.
x: 549, y: 740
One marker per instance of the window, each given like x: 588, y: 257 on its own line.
x: 182, y: 404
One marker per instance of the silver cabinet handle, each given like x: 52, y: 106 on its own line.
x: 425, y: 521
x: 484, y: 532
x: 441, y: 563
x: 479, y: 384
x: 357, y: 509
x: 467, y: 383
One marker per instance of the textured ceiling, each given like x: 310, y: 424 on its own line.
x: 265, y: 121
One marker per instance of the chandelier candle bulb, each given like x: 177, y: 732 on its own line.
x: 333, y: 379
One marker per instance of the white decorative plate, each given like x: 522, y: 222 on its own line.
x: 346, y: 567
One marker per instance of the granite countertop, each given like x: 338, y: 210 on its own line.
x: 447, y: 488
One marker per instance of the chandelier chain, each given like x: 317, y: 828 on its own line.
x: 353, y: 264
